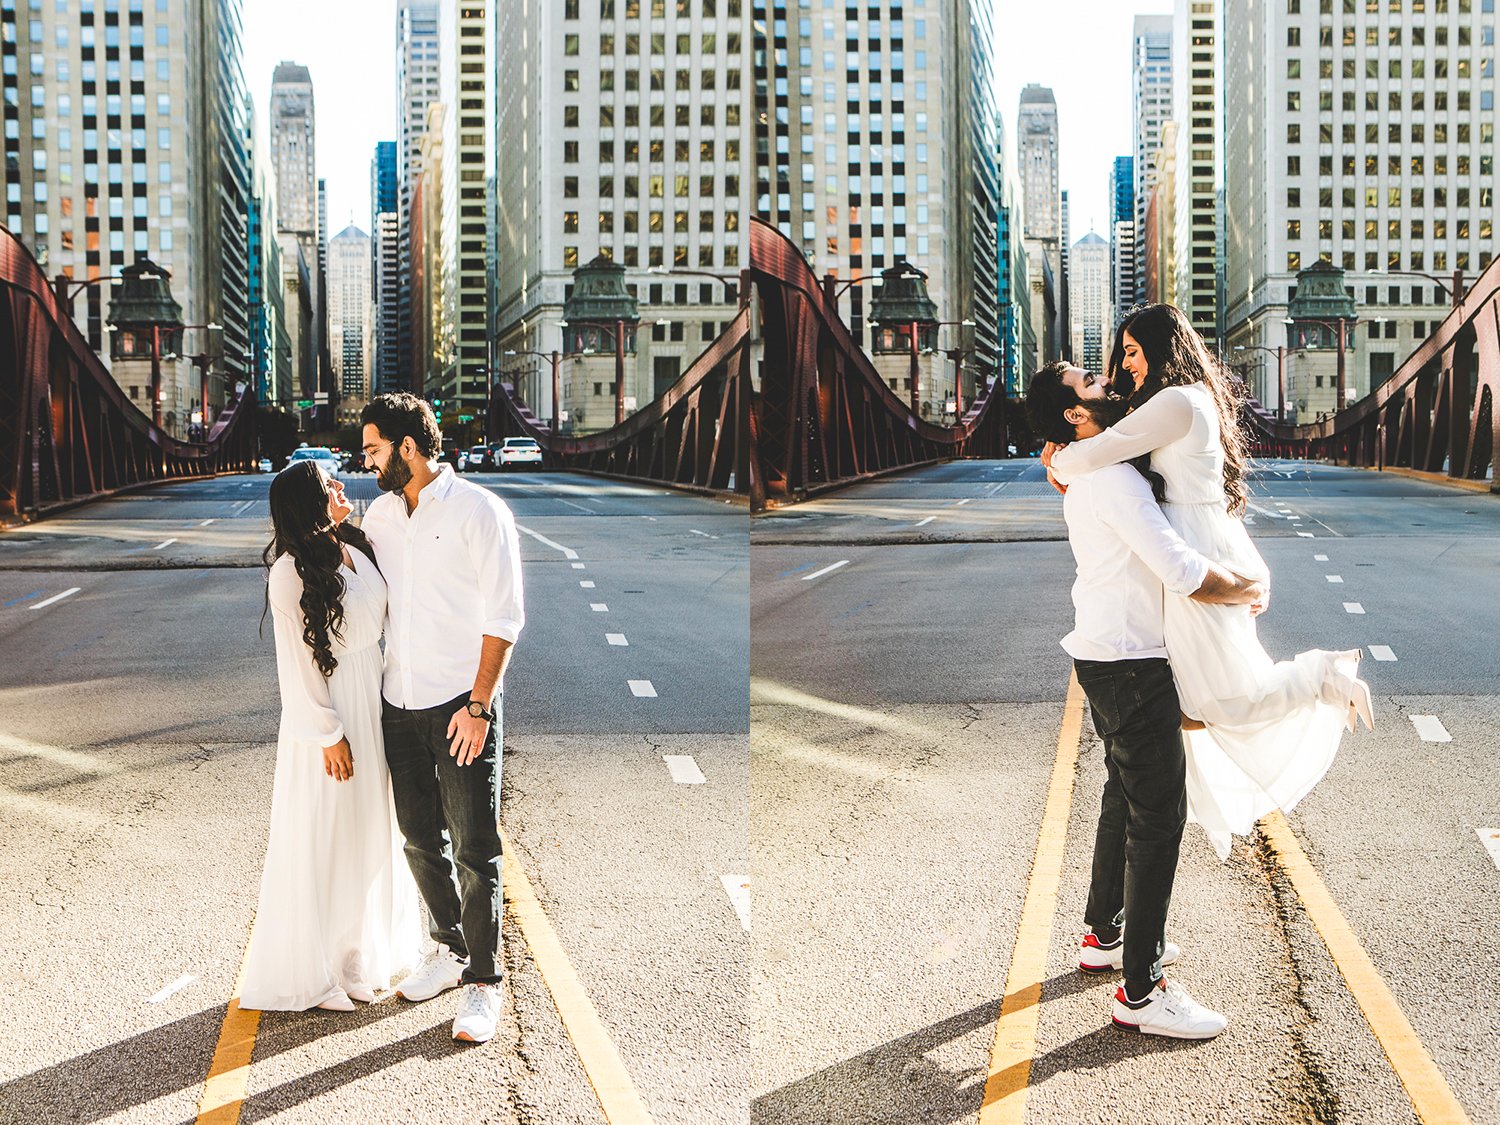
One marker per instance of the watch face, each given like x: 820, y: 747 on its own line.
x: 476, y: 709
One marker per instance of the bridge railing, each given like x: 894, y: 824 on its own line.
x: 823, y: 416
x: 695, y: 435
x: 1436, y: 413
x: 68, y: 433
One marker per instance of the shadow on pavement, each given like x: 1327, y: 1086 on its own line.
x: 896, y: 1083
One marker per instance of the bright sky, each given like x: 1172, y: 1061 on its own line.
x: 1081, y: 48
x: 349, y: 47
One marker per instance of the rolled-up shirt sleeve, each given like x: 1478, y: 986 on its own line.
x: 1127, y: 506
x: 307, y: 713
x: 1165, y: 417
x: 495, y: 549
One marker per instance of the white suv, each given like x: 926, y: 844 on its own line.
x: 515, y: 452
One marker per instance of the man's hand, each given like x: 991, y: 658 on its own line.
x: 338, y: 760
x: 1224, y: 587
x: 468, y: 735
x: 1253, y: 593
x: 1263, y: 604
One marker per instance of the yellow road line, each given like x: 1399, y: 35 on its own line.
x: 229, y: 1073
x: 1429, y: 1091
x: 601, y: 1061
x: 1015, y: 1031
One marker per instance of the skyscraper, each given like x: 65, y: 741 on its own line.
x: 1369, y: 143
x: 349, y: 319
x: 1198, y: 93
x: 126, y: 138
x: 1092, y: 316
x: 623, y: 136
x: 385, y: 268
x: 293, y: 136
x: 1124, y: 258
x: 417, y: 66
x: 883, y: 149
x: 1037, y: 155
x: 1151, y: 106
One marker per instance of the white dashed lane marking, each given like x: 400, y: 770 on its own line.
x: 586, y: 585
x: 1353, y: 607
x: 1431, y: 728
x: 172, y: 989
x: 683, y: 769
x: 927, y: 521
x: 1334, y: 577
x: 567, y: 552
x: 1490, y: 838
x: 642, y: 689
x: 598, y: 607
x: 163, y: 543
x: 617, y: 639
x: 57, y: 598
x: 579, y: 566
x: 705, y: 534
x: 737, y: 887
x: 825, y: 570
x: 1320, y: 558
x: 1382, y: 652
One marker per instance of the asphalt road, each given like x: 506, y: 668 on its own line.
x: 138, y: 709
x: 906, y: 697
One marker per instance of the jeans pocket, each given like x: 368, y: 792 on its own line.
x: 1104, y: 701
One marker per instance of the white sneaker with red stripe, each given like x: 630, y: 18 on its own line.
x: 1169, y: 1011
x: 1096, y: 958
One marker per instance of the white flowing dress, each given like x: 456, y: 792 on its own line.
x: 1273, y: 728
x: 338, y: 906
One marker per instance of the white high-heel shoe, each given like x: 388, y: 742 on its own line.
x: 338, y: 1002
x: 1361, y: 705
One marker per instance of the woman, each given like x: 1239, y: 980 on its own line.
x: 338, y: 907
x: 1272, y: 729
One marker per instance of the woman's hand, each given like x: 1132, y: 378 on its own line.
x: 1048, y: 450
x: 338, y: 760
x: 1263, y: 603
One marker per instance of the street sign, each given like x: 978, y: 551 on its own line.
x: 320, y: 397
x: 304, y: 403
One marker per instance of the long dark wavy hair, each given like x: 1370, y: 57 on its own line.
x: 1177, y: 357
x: 300, y: 527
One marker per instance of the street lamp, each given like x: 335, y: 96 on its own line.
x: 202, y: 362
x: 1455, y: 292
x: 1341, y: 326
x: 1280, y: 354
x: 957, y: 356
x: 618, y: 335
x: 735, y: 287
x: 554, y: 357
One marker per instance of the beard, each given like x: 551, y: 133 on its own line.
x: 395, y: 476
x: 1106, y: 411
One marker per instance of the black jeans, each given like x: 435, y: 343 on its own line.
x: 1143, y: 810
x: 449, y: 812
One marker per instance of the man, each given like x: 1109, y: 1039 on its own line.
x: 451, y: 562
x: 1126, y: 552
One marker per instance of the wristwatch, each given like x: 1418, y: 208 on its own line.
x: 478, y: 711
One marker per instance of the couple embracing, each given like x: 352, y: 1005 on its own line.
x: 1194, y: 715
x: 380, y: 754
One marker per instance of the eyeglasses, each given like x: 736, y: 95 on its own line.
x: 370, y: 451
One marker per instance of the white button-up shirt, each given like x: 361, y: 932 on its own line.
x: 1126, y: 553
x: 453, y: 570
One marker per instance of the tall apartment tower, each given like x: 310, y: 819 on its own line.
x: 1196, y: 85
x: 1017, y: 340
x: 293, y: 136
x: 1065, y: 284
x: 417, y: 65
x: 877, y: 152
x: 1151, y: 106
x: 469, y: 68
x: 1124, y: 240
x: 349, y: 331
x: 1371, y: 146
x: 126, y: 137
x: 1037, y: 157
x: 385, y: 268
x: 624, y: 135
x: 1092, y: 317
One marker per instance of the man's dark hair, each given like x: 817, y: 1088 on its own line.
x: 404, y: 415
x: 1046, y: 399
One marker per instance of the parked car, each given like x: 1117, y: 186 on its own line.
x: 482, y: 457
x: 319, y: 453
x: 455, y: 458
x: 264, y: 465
x: 519, y: 452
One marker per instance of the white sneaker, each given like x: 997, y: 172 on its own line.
x: 1095, y: 958
x: 442, y: 970
x: 1170, y: 1011
x: 478, y: 1007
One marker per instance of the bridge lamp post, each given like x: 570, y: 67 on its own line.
x: 1341, y: 326
x: 1280, y: 353
x: 957, y: 356
x: 554, y: 356
x: 736, y: 286
x: 201, y: 362
x: 1454, y: 289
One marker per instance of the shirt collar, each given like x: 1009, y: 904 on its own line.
x: 439, y: 486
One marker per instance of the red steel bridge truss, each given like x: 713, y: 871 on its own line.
x: 694, y: 436
x: 823, y: 417
x: 1437, y: 413
x: 67, y: 431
